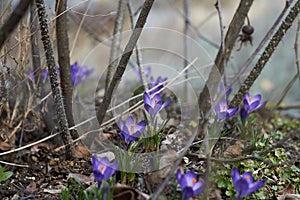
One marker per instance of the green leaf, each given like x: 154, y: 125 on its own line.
x: 4, y: 175
x: 295, y: 169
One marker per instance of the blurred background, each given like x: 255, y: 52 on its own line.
x: 162, y: 42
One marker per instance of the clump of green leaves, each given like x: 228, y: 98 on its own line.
x: 4, y: 175
x: 79, y: 191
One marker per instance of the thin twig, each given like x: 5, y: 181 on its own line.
x: 186, y: 8
x: 261, y: 45
x: 220, y: 160
x: 217, y: 70
x: 35, y: 50
x: 78, y: 30
x: 268, y: 52
x: 297, y: 48
x: 219, y: 10
x: 124, y: 59
x: 196, y: 29
x: 56, y: 90
x: 286, y: 90
x: 137, y: 48
x: 288, y: 107
x: 14, y: 19
x: 116, y: 42
x: 88, y: 29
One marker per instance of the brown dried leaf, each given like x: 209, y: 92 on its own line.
x: 4, y: 146
x: 31, y: 188
x: 125, y: 192
x: 234, y: 150
x: 81, y: 151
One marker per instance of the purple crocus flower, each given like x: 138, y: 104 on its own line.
x: 131, y: 131
x: 223, y: 112
x: 103, y: 169
x: 189, y: 184
x: 251, y: 104
x: 78, y: 73
x: 147, y: 72
x: 154, y: 105
x: 158, y: 84
x: 244, y: 184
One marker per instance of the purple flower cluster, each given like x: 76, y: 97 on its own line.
x: 250, y: 104
x: 130, y: 131
x: 103, y: 169
x: 191, y: 187
x: 157, y: 84
x: 244, y: 184
x: 223, y: 111
x: 189, y: 184
x: 79, y: 73
x: 154, y: 105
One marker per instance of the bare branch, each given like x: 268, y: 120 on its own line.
x: 218, y: 70
x: 35, y: 50
x: 56, y: 90
x: 186, y: 8
x: 116, y: 42
x: 137, y: 48
x: 13, y: 20
x: 269, y: 50
x: 261, y: 44
x: 64, y: 63
x: 297, y: 48
x: 124, y: 59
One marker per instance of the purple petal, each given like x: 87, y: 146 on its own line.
x: 148, y: 108
x: 242, y: 188
x: 248, y: 177
x: 166, y: 103
x: 247, y: 96
x: 253, y: 106
x: 244, y: 114
x: 262, y: 105
x: 140, y: 126
x: 256, y: 98
x: 147, y: 99
x: 190, y: 177
x: 228, y: 91
x: 155, y: 100
x: 120, y: 124
x: 223, y: 106
x: 129, y: 122
x: 198, y: 187
x: 235, y: 175
x: 179, y: 175
x: 255, y: 186
x: 187, y: 193
x: 232, y: 111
